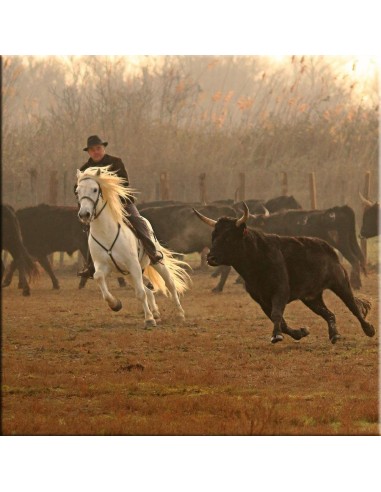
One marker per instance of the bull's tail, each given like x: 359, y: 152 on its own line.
x: 364, y: 305
x: 177, y: 269
x: 17, y: 248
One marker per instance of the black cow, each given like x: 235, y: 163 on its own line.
x: 335, y: 225
x: 370, y: 219
x: 256, y: 206
x: 280, y: 269
x: 177, y: 228
x: 47, y: 229
x: 13, y: 243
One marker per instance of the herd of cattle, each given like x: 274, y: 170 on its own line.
x: 33, y: 233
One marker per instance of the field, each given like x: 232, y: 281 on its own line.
x: 72, y: 366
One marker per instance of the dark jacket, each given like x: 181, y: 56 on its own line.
x: 116, y: 166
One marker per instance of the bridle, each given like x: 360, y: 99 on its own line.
x: 94, y: 215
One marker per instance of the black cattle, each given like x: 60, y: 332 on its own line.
x: 47, y: 229
x: 335, y: 225
x: 280, y: 269
x: 256, y: 206
x: 177, y: 228
x: 370, y: 219
x: 13, y: 243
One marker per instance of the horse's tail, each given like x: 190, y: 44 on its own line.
x: 177, y: 269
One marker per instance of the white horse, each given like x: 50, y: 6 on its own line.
x: 114, y: 246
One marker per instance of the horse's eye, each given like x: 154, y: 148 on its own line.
x: 95, y: 190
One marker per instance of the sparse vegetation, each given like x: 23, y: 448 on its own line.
x: 71, y: 366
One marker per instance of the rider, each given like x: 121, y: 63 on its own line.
x: 96, y: 149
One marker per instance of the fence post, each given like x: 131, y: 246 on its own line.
x: 284, y: 184
x: 202, y: 185
x: 366, y: 195
x: 313, y: 191
x: 164, y: 185
x: 33, y: 184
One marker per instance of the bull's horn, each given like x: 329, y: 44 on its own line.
x: 365, y: 201
x: 208, y: 221
x: 245, y: 215
x: 266, y: 212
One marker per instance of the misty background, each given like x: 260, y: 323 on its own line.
x: 187, y: 115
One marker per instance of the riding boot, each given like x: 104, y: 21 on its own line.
x: 143, y: 234
x: 88, y: 270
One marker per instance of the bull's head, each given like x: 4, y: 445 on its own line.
x: 226, y: 237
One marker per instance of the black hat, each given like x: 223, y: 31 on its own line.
x: 94, y: 140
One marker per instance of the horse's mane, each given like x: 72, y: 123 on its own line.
x: 113, y: 189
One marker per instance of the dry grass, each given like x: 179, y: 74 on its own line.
x: 71, y: 366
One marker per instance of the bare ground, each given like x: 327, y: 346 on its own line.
x: 72, y: 366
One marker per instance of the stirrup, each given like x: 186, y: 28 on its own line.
x: 87, y: 272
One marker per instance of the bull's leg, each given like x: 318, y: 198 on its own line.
x: 296, y: 334
x: 121, y: 282
x: 357, y: 306
x: 10, y: 270
x: 217, y: 271
x: 100, y: 277
x: 82, y: 282
x: 204, y: 263
x: 318, y: 306
x: 47, y: 267
x: 224, y: 271
x: 355, y: 276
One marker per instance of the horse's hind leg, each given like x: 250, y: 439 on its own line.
x: 113, y: 302
x: 169, y: 282
x: 152, y: 303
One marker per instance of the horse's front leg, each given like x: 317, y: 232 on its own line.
x: 100, y: 277
x: 136, y: 278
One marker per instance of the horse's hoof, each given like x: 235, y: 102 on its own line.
x: 156, y: 315
x: 118, y: 306
x: 277, y: 338
x: 26, y: 293
x: 56, y: 287
x: 217, y: 290
x: 334, y: 338
x: 6, y: 283
x: 149, y: 323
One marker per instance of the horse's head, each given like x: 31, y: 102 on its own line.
x: 88, y: 194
